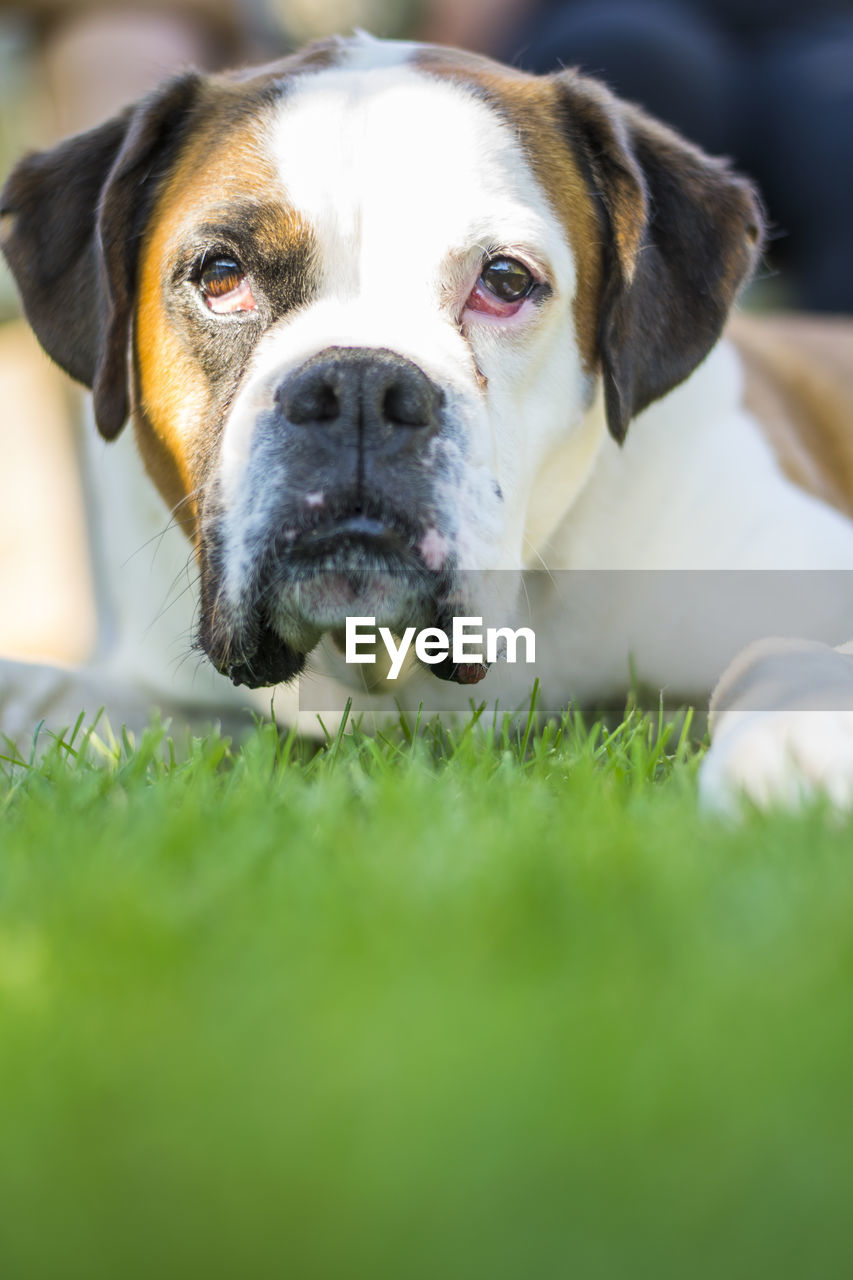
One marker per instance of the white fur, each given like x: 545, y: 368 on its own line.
x: 780, y: 759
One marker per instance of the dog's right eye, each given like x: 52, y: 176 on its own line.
x: 225, y: 288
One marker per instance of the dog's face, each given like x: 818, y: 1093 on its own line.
x: 358, y: 303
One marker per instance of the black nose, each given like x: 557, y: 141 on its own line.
x: 363, y: 396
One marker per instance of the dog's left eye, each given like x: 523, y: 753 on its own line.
x: 507, y: 279
x: 225, y: 288
x: 503, y: 286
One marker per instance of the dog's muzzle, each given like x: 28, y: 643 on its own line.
x: 345, y: 473
x: 357, y: 426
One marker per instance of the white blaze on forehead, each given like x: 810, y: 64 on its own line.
x: 396, y: 171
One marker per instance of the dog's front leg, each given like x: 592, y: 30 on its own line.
x: 782, y: 728
x: 39, y: 699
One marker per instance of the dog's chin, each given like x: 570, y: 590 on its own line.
x: 358, y: 568
x: 323, y: 600
x: 314, y: 604
x: 284, y: 638
x: 307, y: 597
x: 307, y: 606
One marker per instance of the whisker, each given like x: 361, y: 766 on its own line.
x: 528, y: 545
x: 171, y: 523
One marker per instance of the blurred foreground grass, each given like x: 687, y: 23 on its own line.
x: 420, y: 1005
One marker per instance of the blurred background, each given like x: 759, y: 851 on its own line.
x: 768, y: 83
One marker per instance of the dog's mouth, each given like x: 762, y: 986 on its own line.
x: 356, y: 564
x: 331, y: 543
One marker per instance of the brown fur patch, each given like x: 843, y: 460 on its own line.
x: 223, y: 164
x: 663, y: 235
x: 799, y: 385
x: 529, y: 104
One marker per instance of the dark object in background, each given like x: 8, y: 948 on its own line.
x: 766, y: 82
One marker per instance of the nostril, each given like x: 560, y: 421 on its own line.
x: 325, y: 404
x: 404, y: 406
x: 308, y: 400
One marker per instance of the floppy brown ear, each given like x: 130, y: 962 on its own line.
x: 681, y: 234
x: 72, y: 220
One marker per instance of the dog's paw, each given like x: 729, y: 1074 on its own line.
x: 781, y: 728
x: 779, y: 759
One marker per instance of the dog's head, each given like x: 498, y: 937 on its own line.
x: 359, y: 302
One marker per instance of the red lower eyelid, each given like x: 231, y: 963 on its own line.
x: 481, y: 300
x: 239, y: 299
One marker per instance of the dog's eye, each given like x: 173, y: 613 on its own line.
x: 507, y: 279
x: 502, y: 288
x: 225, y: 288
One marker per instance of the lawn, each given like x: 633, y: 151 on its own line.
x: 418, y: 1006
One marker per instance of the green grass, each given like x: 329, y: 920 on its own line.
x: 420, y: 1005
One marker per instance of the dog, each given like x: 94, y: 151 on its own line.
x: 381, y: 315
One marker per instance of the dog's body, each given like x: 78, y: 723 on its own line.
x: 381, y: 315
